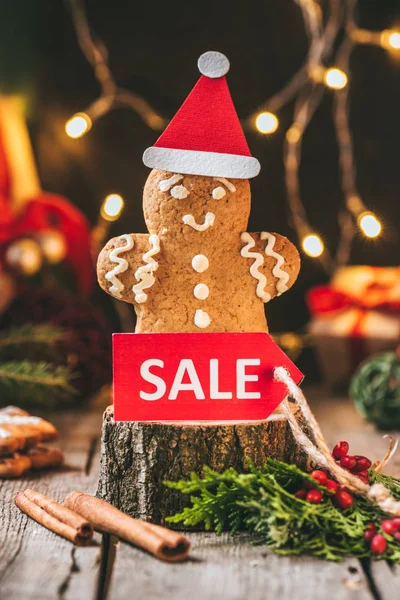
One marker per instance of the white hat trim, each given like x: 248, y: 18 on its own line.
x: 195, y: 162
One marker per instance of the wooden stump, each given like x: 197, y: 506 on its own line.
x: 136, y: 457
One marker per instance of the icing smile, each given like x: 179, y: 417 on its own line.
x: 208, y: 222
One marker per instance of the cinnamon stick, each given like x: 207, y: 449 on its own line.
x: 54, y: 516
x: 163, y: 543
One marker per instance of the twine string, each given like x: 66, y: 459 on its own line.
x: 318, y: 449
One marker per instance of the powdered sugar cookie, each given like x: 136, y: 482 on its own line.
x: 19, y: 430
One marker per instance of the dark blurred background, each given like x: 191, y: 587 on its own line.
x: 153, y: 48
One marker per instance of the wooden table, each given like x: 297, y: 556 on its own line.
x: 36, y: 564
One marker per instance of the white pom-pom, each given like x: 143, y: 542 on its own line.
x: 213, y: 64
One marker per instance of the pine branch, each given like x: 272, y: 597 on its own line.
x: 30, y: 334
x: 30, y: 339
x: 27, y: 383
x: 262, y: 502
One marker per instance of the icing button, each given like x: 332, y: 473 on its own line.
x: 201, y: 291
x: 201, y: 319
x: 200, y: 263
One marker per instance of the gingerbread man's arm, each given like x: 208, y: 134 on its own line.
x: 273, y: 257
x: 120, y: 259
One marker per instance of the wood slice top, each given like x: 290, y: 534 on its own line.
x: 277, y: 415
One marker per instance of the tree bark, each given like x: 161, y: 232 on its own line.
x: 136, y: 457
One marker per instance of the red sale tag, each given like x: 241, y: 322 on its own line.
x: 197, y: 377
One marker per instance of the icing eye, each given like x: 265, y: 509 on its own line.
x: 166, y: 184
x: 179, y: 192
x: 218, y: 193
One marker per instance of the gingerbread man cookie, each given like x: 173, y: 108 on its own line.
x: 198, y: 269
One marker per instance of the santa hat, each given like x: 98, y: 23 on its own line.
x: 205, y: 136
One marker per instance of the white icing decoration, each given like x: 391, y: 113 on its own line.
x: 198, y: 162
x: 200, y: 263
x: 164, y: 231
x: 201, y: 319
x: 179, y: 192
x: 259, y: 261
x: 277, y: 271
x: 218, y: 193
x: 201, y: 291
x: 208, y: 221
x: 166, y: 184
x: 18, y: 420
x: 117, y: 285
x: 229, y: 185
x: 4, y: 434
x: 144, y: 274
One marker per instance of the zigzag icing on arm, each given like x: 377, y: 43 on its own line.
x: 122, y: 265
x: 277, y: 271
x: 144, y: 275
x: 258, y: 262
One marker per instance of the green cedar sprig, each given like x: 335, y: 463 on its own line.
x: 262, y: 502
x: 31, y: 342
x: 28, y: 376
x: 26, y: 383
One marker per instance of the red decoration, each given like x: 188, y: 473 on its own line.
x: 207, y: 121
x: 326, y: 300
x: 49, y: 211
x: 26, y: 211
x: 205, y: 137
x: 191, y: 376
x: 355, y: 316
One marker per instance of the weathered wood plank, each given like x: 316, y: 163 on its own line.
x: 35, y: 563
x: 386, y: 580
x: 233, y: 569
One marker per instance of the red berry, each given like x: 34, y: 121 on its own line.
x: 364, y: 480
x: 378, y: 544
x: 344, y: 500
x: 370, y: 532
x: 363, y: 464
x: 397, y: 536
x: 319, y: 476
x: 363, y: 475
x: 301, y: 494
x: 307, y: 485
x: 348, y: 462
x: 332, y: 486
x: 341, y: 449
x: 388, y: 527
x: 314, y: 496
x: 396, y: 522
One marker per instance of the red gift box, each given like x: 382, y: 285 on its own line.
x: 355, y: 316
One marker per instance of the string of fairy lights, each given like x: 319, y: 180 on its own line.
x: 332, y: 34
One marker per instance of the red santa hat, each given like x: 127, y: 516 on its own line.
x: 205, y: 136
